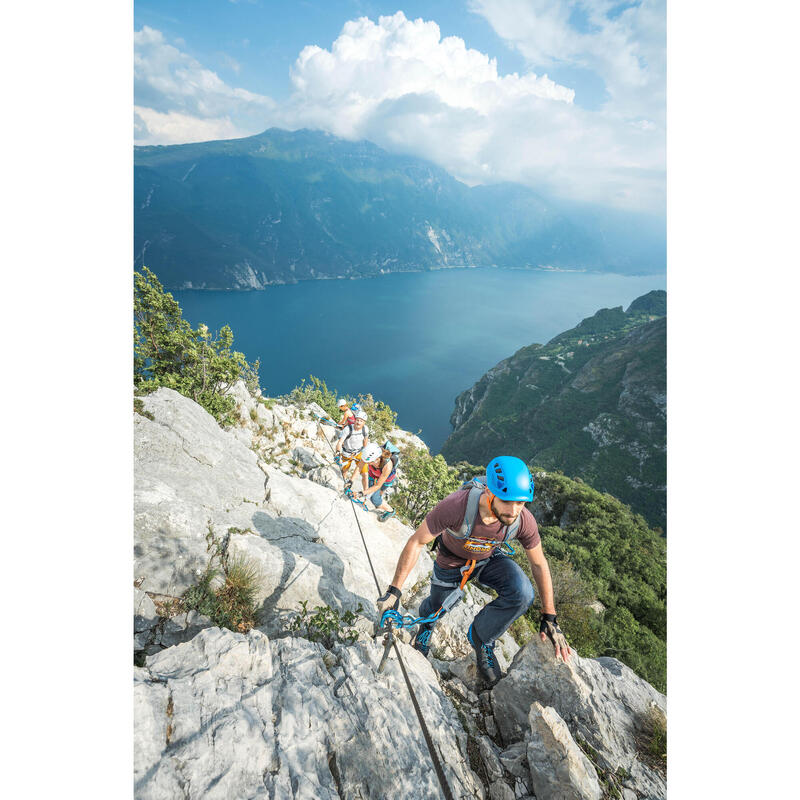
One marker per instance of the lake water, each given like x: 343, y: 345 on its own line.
x: 414, y: 340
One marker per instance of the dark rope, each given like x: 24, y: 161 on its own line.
x: 437, y: 764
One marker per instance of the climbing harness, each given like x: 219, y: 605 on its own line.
x: 348, y: 493
x: 391, y: 616
x: 389, y: 642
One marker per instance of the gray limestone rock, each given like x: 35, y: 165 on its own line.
x: 181, y: 628
x: 500, y: 790
x: 232, y: 715
x: 307, y: 457
x: 601, y: 700
x: 515, y: 760
x: 145, y: 616
x: 489, y: 753
x: 559, y: 769
x: 193, y: 478
x: 327, y: 476
x: 190, y: 475
x: 307, y: 544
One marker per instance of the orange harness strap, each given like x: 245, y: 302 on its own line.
x: 465, y: 577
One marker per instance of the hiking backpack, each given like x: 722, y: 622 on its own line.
x: 476, y: 487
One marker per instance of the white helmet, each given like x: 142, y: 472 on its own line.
x: 361, y: 415
x: 342, y: 402
x: 372, y: 452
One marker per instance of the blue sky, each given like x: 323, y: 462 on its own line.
x: 567, y: 96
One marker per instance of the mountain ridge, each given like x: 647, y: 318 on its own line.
x: 281, y: 206
x: 591, y: 402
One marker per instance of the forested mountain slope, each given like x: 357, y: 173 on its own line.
x: 591, y: 403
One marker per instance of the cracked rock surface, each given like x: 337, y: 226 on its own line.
x: 266, y: 714
x: 230, y: 715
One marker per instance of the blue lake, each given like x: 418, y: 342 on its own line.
x: 414, y: 340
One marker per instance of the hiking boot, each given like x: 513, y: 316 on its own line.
x: 422, y: 641
x: 386, y: 515
x: 488, y: 668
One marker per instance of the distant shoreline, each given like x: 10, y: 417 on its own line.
x: 541, y: 268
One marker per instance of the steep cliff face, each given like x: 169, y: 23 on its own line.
x: 591, y: 403
x: 268, y: 713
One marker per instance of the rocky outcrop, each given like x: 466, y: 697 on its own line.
x: 559, y: 769
x: 602, y: 702
x: 591, y: 403
x: 270, y: 714
x: 196, y: 483
x: 232, y: 715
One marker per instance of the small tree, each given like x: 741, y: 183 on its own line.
x: 380, y: 417
x: 316, y: 391
x: 169, y: 352
x: 426, y: 481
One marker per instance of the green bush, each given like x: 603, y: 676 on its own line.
x: 169, y: 352
x: 380, y: 418
x: 426, y: 480
x: 227, y: 589
x: 653, y: 744
x: 326, y: 625
x: 316, y: 391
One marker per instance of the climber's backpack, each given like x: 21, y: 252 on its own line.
x: 476, y: 487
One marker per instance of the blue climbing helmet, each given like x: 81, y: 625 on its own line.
x: 508, y: 478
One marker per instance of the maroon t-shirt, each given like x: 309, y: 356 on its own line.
x: 449, y: 513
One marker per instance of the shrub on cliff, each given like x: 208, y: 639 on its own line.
x: 316, y: 391
x: 169, y: 352
x: 426, y: 480
x: 380, y: 417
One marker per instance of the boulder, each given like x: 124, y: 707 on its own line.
x: 306, y: 543
x: 181, y: 628
x: 327, y: 476
x: 601, y: 700
x: 145, y: 619
x: 559, y: 769
x: 233, y: 715
x: 191, y: 478
x: 308, y: 458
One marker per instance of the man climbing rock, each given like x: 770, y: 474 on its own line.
x: 473, y: 524
x: 352, y: 440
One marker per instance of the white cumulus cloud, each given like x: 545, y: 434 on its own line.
x: 177, y: 96
x: 400, y: 84
x: 622, y: 42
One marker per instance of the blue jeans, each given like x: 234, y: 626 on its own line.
x: 514, y: 595
x: 377, y: 497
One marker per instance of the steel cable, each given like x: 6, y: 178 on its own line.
x: 437, y: 764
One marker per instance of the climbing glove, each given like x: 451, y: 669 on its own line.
x: 549, y: 627
x: 391, y: 599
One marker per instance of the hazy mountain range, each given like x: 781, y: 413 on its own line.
x: 285, y: 206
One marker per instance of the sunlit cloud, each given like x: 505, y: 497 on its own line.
x: 400, y: 84
x: 172, y: 89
